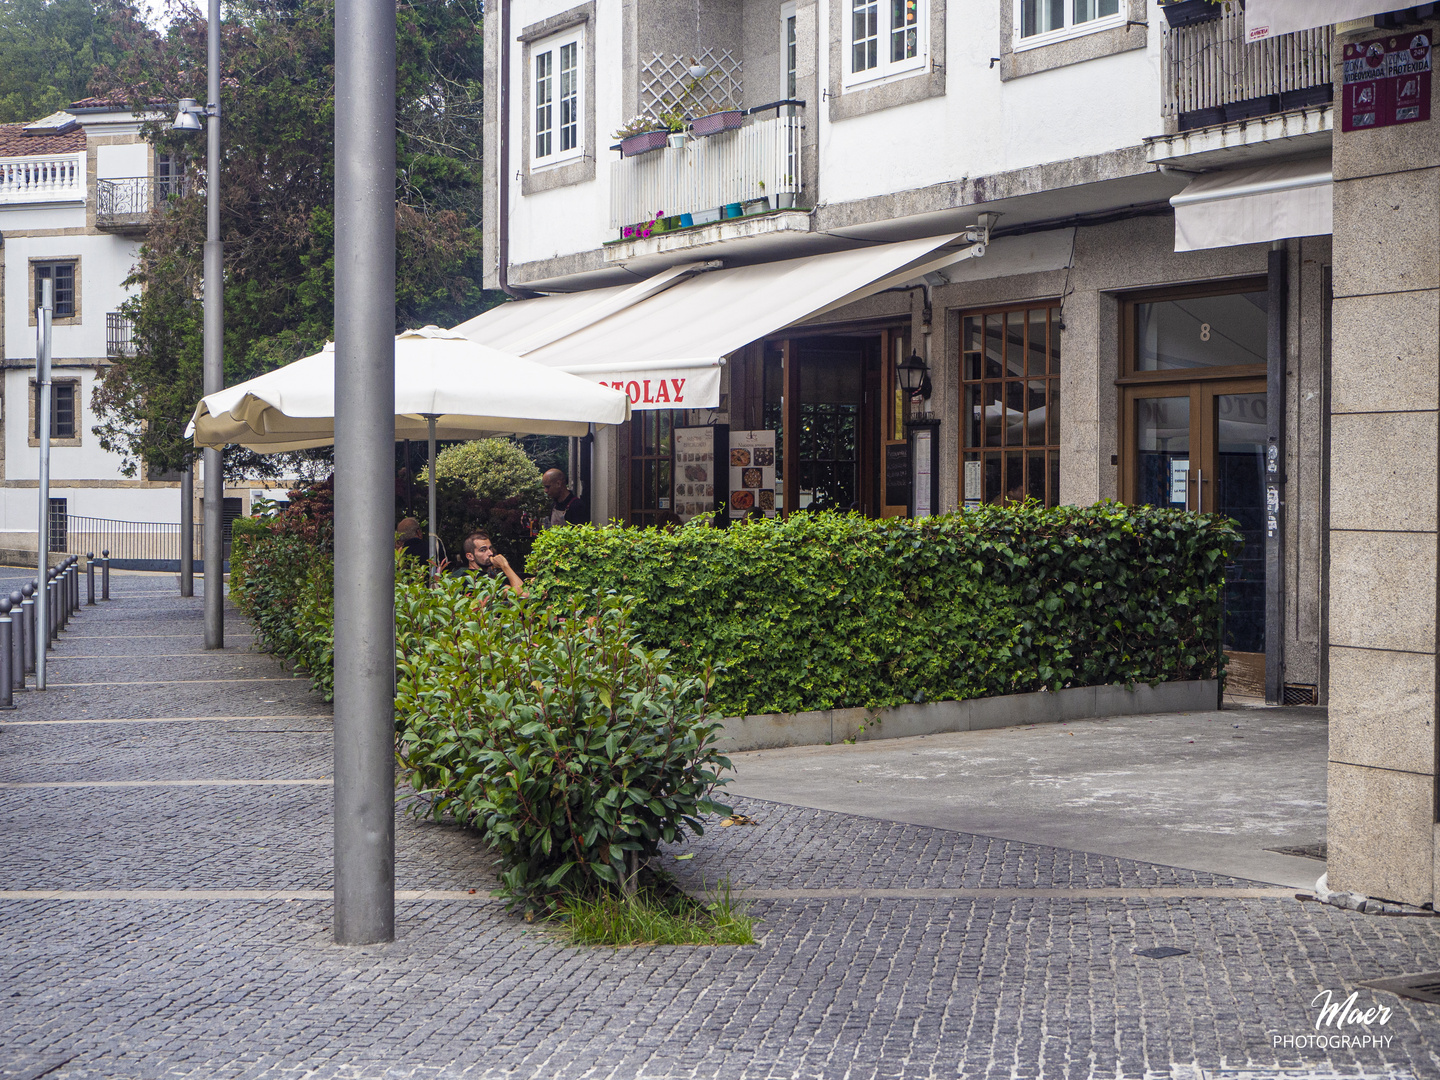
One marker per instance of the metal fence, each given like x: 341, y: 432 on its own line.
x: 133, y: 545
x: 131, y: 201
x: 1210, y: 65
x: 119, y: 335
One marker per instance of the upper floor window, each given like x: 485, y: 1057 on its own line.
x: 63, y: 275
x: 556, y: 65
x: 885, y: 38
x: 1040, y: 22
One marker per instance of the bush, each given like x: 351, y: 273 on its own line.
x: 819, y: 611
x: 493, y: 469
x: 572, y: 748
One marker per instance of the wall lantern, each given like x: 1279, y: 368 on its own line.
x: 914, y: 376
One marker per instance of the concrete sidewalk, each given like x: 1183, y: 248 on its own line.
x: 165, y: 837
x: 1209, y: 791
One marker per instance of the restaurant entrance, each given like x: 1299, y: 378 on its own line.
x: 1194, y: 426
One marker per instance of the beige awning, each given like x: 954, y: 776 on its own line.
x: 1253, y: 206
x: 664, y: 342
x: 1269, y: 18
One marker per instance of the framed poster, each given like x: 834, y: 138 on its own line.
x: 924, y: 467
x: 752, y: 473
x: 698, y: 469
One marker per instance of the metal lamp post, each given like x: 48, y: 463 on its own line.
x: 364, y: 466
x: 188, y: 120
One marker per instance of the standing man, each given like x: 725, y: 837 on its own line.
x: 568, y: 508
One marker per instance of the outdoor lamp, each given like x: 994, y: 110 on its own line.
x: 914, y: 376
x: 187, y: 120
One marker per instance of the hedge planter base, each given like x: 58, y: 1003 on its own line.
x: 827, y: 726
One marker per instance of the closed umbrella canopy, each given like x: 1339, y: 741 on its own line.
x: 470, y: 389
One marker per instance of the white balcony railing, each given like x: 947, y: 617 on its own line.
x: 52, y: 178
x: 759, y: 160
x: 1210, y: 70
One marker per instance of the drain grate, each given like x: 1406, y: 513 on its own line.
x: 1161, y: 952
x: 1424, y: 987
x: 1301, y: 694
x: 1304, y: 851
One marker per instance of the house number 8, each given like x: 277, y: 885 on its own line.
x: 1204, y: 331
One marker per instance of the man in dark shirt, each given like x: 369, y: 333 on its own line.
x: 568, y: 509
x: 482, y: 560
x: 411, y: 540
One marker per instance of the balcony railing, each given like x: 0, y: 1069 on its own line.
x: 119, y: 335
x: 759, y: 160
x: 131, y: 202
x: 52, y: 178
x: 1213, y: 76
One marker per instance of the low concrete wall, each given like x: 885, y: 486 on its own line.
x: 825, y: 726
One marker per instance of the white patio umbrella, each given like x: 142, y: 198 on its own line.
x: 446, y: 387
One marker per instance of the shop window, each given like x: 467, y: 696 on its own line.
x: 1010, y: 406
x: 651, y: 458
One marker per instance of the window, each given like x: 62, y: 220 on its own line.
x: 169, y: 176
x: 787, y: 21
x: 650, y: 458
x: 64, y: 404
x: 884, y: 38
x: 63, y: 275
x: 557, y: 99
x: 59, y: 524
x: 1010, y: 377
x: 1040, y: 22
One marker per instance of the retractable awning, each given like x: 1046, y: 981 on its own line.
x: 1269, y: 18
x: 1252, y: 206
x: 664, y: 343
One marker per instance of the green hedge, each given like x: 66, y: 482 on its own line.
x: 819, y: 611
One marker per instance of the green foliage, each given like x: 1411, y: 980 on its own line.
x: 49, y: 49
x: 571, y: 747
x: 277, y: 195
x: 819, y: 611
x: 656, y: 916
x: 494, y: 469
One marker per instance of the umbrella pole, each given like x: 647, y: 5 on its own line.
x: 430, y: 521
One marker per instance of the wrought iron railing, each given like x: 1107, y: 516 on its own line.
x: 119, y: 335
x: 135, y: 545
x: 759, y: 160
x: 132, y: 201
x: 49, y: 178
x: 1213, y: 75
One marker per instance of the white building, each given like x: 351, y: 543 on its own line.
x: 77, y: 193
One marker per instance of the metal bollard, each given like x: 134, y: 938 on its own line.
x: 105, y: 575
x: 54, y: 604
x: 28, y: 591
x: 7, y: 690
x: 90, y: 579
x: 73, y: 597
x: 62, y: 584
x: 17, y: 634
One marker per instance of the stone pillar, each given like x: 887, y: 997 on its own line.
x: 1384, y: 470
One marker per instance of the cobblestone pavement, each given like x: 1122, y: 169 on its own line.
x: 150, y: 800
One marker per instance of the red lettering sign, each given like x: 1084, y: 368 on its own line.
x: 1387, y: 81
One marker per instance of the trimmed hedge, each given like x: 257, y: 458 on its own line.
x: 819, y: 611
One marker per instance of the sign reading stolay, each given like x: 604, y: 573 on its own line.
x: 662, y: 342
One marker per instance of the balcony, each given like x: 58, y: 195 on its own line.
x: 45, y: 179
x: 758, y: 160
x: 1212, y: 76
x: 129, y: 204
x: 119, y: 335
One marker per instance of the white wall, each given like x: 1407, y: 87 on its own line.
x: 121, y: 162
x: 105, y: 261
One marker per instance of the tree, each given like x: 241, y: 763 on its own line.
x: 49, y: 49
x: 277, y: 197
x: 495, y: 469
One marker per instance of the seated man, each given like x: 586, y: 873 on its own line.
x: 481, y: 559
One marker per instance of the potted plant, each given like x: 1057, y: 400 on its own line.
x: 641, y: 134
x: 1190, y: 12
x: 714, y: 123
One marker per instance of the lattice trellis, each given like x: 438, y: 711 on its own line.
x: 665, y: 83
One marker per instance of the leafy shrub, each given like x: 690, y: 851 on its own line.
x: 494, y: 469
x: 820, y: 611
x: 570, y: 746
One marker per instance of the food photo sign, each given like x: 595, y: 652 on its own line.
x: 697, y: 480
x: 752, y: 473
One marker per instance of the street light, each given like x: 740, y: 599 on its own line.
x: 187, y: 119
x: 914, y: 376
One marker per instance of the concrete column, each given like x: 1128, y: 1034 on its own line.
x: 1384, y: 473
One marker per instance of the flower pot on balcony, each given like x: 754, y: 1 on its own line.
x: 1190, y: 12
x: 757, y: 206
x: 676, y: 140
x: 715, y: 123
x: 784, y: 200
x: 705, y: 217
x: 643, y: 143
x: 733, y: 210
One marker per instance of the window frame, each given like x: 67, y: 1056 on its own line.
x: 1070, y: 30
x: 32, y: 429
x: 885, y: 69
x: 50, y: 263
x: 553, y: 47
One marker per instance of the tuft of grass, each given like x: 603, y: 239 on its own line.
x: 657, y: 916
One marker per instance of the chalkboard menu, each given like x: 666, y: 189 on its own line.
x: 897, y: 474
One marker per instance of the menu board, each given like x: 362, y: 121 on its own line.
x: 695, y: 475
x: 897, y: 474
x: 752, y: 473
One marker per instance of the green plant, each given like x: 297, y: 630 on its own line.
x: 637, y: 125
x: 573, y: 749
x: 656, y: 916
x: 494, y: 469
x: 819, y: 611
